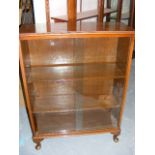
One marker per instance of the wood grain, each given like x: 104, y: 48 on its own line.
x: 100, y: 11
x: 75, y: 82
x: 126, y: 81
x: 86, y: 30
x: 65, y: 122
x: 24, y: 80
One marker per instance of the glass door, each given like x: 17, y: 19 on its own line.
x: 75, y: 84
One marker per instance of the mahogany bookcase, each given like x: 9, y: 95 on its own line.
x: 75, y: 77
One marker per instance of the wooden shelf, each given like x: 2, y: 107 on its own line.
x: 74, y: 88
x: 84, y: 15
x: 76, y: 102
x: 74, y: 121
x: 84, y: 71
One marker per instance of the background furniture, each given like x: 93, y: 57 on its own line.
x: 108, y: 11
x: 82, y: 15
x: 26, y: 12
x: 129, y: 16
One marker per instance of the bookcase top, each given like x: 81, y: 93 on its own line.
x: 69, y: 30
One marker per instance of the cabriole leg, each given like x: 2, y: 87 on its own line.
x: 38, y: 143
x: 115, y: 137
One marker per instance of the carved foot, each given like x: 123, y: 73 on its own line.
x: 115, y: 137
x: 38, y: 143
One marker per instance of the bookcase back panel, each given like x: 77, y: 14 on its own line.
x: 66, y: 122
x: 63, y: 96
x: 72, y: 51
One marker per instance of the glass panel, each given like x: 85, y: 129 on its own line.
x: 75, y: 121
x: 75, y: 51
x: 75, y: 84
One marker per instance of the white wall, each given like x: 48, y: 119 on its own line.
x: 39, y: 11
x: 59, y: 7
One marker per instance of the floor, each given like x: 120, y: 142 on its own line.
x: 101, y: 144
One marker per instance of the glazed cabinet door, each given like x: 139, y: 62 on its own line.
x: 76, y: 84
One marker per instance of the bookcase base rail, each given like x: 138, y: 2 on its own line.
x: 37, y: 138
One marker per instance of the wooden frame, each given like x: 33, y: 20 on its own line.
x: 28, y: 34
x: 27, y: 97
